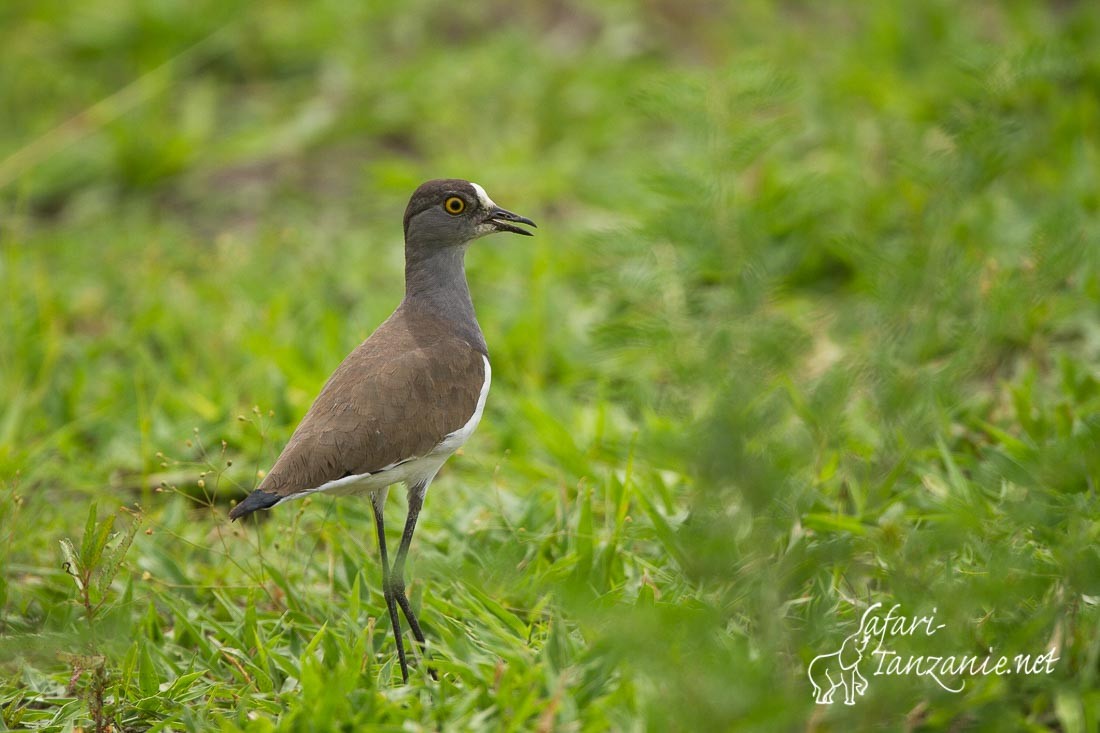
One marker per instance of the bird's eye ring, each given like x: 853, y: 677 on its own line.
x: 454, y: 205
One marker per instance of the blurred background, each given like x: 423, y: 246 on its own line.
x: 810, y: 322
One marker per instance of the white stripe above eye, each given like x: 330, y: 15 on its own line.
x: 483, y: 197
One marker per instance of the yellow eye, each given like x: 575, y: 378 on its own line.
x: 454, y: 205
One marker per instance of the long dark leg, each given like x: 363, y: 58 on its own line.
x: 397, y: 576
x: 377, y: 502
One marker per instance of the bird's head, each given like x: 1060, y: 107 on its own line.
x: 450, y: 211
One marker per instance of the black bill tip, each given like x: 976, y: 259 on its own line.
x: 504, y: 221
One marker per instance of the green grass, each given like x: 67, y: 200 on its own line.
x: 810, y: 322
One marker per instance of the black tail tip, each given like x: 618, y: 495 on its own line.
x: 255, y: 500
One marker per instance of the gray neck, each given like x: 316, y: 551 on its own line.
x: 435, y: 282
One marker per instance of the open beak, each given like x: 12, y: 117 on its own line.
x: 498, y: 218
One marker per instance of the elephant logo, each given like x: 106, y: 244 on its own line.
x: 827, y: 672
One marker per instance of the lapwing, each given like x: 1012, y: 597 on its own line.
x: 406, y: 398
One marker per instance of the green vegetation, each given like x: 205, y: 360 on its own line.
x: 810, y: 322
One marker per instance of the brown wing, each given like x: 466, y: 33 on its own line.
x: 395, y: 397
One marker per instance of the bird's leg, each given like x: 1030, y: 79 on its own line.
x: 397, y: 575
x: 377, y: 502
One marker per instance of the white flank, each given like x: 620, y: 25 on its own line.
x: 410, y: 471
x: 453, y: 441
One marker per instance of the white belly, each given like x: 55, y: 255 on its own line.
x: 411, y: 471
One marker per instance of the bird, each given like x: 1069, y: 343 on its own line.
x: 404, y: 400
